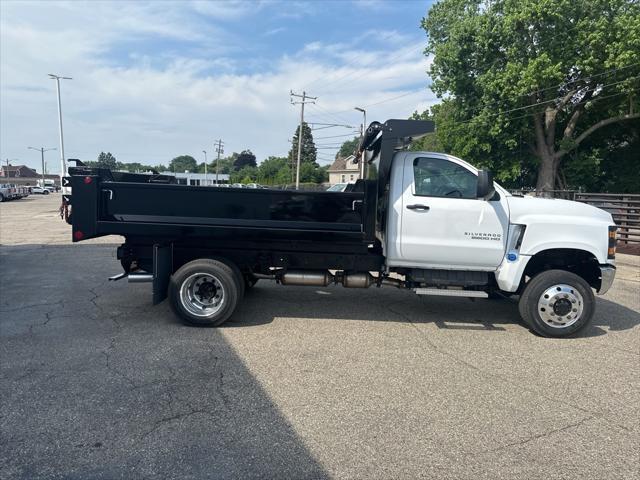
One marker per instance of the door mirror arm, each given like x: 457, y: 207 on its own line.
x: 485, y: 189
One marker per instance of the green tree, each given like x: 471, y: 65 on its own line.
x: 245, y: 159
x: 274, y: 171
x: 528, y: 82
x: 226, y: 164
x: 247, y: 174
x: 309, y: 151
x: 348, y: 147
x: 310, y: 173
x: 183, y: 163
x: 606, y: 162
x: 430, y: 142
x: 106, y: 160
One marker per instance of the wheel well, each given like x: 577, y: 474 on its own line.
x: 580, y: 262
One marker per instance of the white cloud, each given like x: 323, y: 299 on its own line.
x: 275, y: 31
x: 150, y: 107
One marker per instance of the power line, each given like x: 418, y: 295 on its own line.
x: 336, y: 117
x: 338, y: 136
x: 390, y: 99
x: 571, y: 82
x: 328, y: 125
x: 578, y: 103
x: 532, y: 105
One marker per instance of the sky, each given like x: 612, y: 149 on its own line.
x: 154, y: 80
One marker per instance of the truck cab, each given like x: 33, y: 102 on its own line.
x: 440, y: 227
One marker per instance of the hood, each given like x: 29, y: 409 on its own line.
x: 523, y: 208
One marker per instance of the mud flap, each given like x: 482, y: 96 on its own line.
x: 162, y: 268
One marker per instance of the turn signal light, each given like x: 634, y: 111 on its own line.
x: 611, y: 250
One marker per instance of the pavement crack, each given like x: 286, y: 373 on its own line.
x: 171, y: 418
x: 220, y: 375
x: 32, y: 305
x: 538, y: 436
x: 107, y: 355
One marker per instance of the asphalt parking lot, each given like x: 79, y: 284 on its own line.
x: 303, y: 383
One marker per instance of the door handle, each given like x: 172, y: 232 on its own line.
x: 418, y: 206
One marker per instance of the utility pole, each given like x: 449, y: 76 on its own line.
x: 219, y: 149
x: 364, y: 126
x: 41, y: 150
x: 63, y: 162
x: 205, y: 166
x: 302, y: 103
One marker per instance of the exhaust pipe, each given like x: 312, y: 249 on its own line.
x: 322, y: 279
x: 140, y: 277
x: 356, y: 280
x: 315, y: 278
x: 308, y: 278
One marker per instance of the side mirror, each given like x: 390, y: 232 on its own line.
x: 486, y: 190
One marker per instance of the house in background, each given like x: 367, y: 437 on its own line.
x: 343, y: 170
x: 18, y: 171
x: 23, y: 175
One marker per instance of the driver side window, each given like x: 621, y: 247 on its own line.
x: 435, y: 177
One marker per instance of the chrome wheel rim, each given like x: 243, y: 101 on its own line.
x: 202, y: 294
x: 560, y: 306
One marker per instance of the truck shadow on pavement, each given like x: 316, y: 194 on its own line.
x: 97, y: 383
x: 267, y: 301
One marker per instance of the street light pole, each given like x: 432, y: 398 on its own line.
x: 41, y: 150
x: 63, y: 162
x: 205, y: 166
x: 364, y: 125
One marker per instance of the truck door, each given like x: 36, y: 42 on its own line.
x: 443, y: 224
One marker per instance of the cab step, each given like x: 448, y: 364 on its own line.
x: 446, y: 292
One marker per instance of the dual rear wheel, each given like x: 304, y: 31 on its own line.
x: 205, y: 292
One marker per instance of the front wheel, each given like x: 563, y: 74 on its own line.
x: 204, y: 292
x: 557, y: 303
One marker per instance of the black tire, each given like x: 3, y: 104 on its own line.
x: 214, y: 272
x: 46, y: 192
x: 1, y: 198
x: 237, y: 275
x: 557, y: 303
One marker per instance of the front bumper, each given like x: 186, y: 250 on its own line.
x: 607, y: 274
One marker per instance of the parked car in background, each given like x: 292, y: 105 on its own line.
x: 339, y: 187
x: 5, y: 192
x: 10, y: 191
x: 40, y: 190
x: 24, y: 192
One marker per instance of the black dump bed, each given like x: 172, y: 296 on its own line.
x: 102, y: 206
